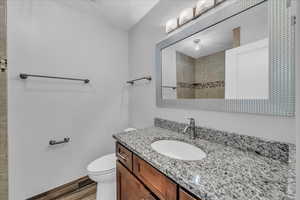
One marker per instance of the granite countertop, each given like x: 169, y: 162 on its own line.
x: 225, y: 174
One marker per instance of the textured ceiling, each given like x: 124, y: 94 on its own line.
x: 124, y: 13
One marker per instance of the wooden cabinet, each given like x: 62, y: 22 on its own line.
x: 124, y: 156
x: 185, y: 196
x: 158, y: 183
x: 128, y: 187
x: 138, y: 180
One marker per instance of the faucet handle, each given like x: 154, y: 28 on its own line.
x: 190, y: 118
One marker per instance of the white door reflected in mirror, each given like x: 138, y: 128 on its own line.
x: 247, y: 71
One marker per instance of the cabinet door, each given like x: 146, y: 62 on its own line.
x: 185, y: 196
x: 158, y: 183
x: 128, y: 187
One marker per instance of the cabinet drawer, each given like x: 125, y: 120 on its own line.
x: 158, y: 183
x: 185, y: 196
x: 124, y: 156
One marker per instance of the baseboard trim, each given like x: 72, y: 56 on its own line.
x: 64, y: 189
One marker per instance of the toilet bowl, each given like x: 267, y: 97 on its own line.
x: 103, y: 172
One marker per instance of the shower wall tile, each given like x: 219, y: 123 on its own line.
x: 202, y: 77
x: 3, y: 108
x: 185, y: 69
x: 3, y: 138
x: 2, y: 28
x: 210, y: 68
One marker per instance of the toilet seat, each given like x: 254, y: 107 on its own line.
x: 103, y: 165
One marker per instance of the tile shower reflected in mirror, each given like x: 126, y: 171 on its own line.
x: 227, y: 61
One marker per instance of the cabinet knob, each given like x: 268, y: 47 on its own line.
x: 122, y: 157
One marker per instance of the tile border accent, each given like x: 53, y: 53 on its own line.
x: 203, y: 85
x: 271, y: 149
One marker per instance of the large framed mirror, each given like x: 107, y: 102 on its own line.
x: 237, y: 57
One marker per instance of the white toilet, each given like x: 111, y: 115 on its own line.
x: 103, y: 171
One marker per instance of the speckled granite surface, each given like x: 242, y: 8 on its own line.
x: 271, y: 149
x: 225, y: 174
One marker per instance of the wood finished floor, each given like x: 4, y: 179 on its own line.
x: 86, y: 193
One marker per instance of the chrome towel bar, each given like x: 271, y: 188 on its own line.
x: 169, y: 87
x: 54, y: 142
x: 25, y: 76
x: 149, y: 78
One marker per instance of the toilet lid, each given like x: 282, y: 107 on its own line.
x: 104, y: 163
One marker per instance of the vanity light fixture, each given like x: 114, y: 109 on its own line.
x: 190, y: 14
x: 197, y: 44
x: 186, y: 16
x: 204, y: 5
x: 171, y: 25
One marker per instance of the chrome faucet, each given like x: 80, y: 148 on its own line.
x: 191, y: 126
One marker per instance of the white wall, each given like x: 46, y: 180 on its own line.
x: 143, y: 109
x: 62, y: 38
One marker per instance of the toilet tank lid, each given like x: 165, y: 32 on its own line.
x: 129, y: 129
x: 104, y: 163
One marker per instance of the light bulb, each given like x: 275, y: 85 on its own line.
x: 171, y: 25
x: 204, y: 5
x: 201, y: 3
x: 186, y: 15
x: 197, y: 44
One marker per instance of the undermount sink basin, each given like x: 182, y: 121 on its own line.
x: 178, y: 150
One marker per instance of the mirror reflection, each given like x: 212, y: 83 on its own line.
x: 227, y: 61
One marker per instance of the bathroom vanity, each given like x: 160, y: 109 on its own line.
x: 256, y: 169
x: 134, y: 175
x: 228, y: 60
